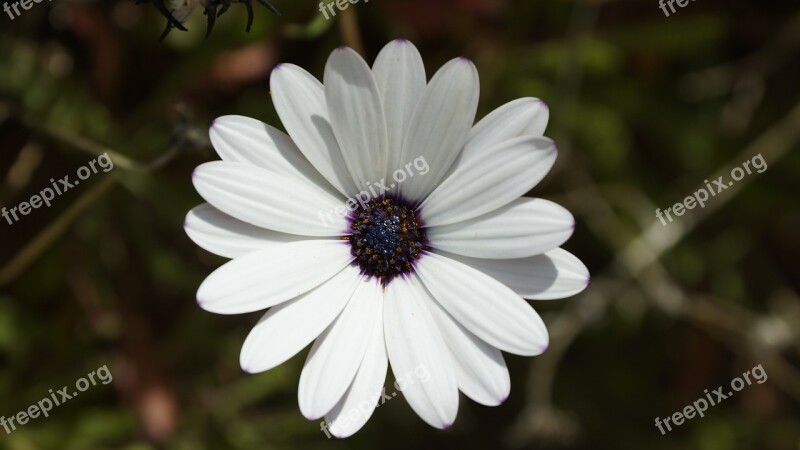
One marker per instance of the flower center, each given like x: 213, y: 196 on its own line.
x: 386, y: 238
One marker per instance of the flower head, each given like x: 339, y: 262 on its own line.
x: 389, y: 231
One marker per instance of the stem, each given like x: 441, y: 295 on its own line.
x: 348, y: 27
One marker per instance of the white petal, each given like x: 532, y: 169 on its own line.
x: 538, y: 123
x: 490, y: 180
x: 524, y: 116
x: 299, y: 99
x: 440, y: 125
x: 524, y: 227
x: 400, y: 75
x: 484, y: 306
x: 356, y: 114
x: 415, y: 345
x: 268, y: 200
x: 549, y: 276
x: 359, y: 402
x: 335, y: 357
x: 480, y: 368
x: 221, y: 234
x: 289, y: 327
x: 273, y: 275
x: 246, y: 140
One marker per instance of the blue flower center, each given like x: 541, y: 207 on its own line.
x: 386, y: 238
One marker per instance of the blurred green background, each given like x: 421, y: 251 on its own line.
x: 644, y: 108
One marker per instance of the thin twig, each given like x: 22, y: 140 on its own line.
x: 348, y: 27
x: 53, y: 231
x: 76, y: 142
x: 657, y: 238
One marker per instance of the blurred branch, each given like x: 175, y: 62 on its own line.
x: 540, y: 418
x: 639, y: 260
x: 745, y: 80
x: 21, y: 170
x: 65, y: 138
x: 720, y: 80
x: 315, y: 28
x: 637, y: 263
x: 348, y: 27
x: 53, y: 231
x: 739, y: 338
x: 657, y: 238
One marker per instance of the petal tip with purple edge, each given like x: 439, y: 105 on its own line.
x: 311, y: 418
x: 544, y: 104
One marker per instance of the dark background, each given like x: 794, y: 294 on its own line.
x: 644, y: 108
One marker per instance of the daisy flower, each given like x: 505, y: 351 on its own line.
x: 430, y: 274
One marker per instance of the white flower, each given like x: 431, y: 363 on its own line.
x: 430, y: 277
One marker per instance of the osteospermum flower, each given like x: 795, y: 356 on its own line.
x: 426, y: 272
